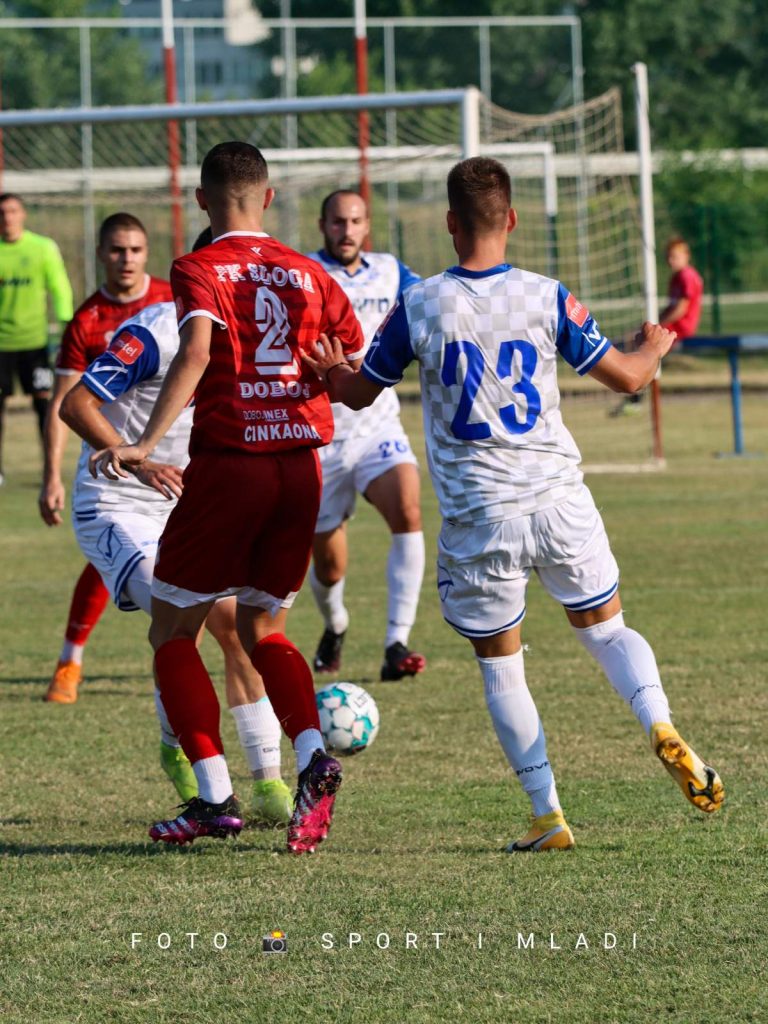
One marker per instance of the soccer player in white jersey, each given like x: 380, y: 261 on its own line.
x: 486, y: 336
x: 370, y: 454
x: 118, y: 524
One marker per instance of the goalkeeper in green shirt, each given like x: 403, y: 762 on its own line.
x: 30, y: 267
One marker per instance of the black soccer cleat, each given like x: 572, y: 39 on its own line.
x: 328, y: 653
x: 200, y: 818
x: 399, y: 662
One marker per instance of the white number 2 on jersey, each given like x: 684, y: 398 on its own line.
x: 273, y: 353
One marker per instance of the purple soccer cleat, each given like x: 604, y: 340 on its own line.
x: 313, y: 806
x: 200, y: 818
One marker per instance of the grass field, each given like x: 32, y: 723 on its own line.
x: 423, y: 814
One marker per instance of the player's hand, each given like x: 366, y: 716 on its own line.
x: 51, y: 502
x: 164, y: 478
x: 117, y: 461
x: 327, y: 353
x: 657, y: 337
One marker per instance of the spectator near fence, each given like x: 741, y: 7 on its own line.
x: 684, y: 292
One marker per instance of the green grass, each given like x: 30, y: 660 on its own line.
x: 423, y: 814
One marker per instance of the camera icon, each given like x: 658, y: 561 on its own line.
x: 275, y: 942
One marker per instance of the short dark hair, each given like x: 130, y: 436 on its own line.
x: 480, y: 194
x: 233, y: 166
x: 204, y: 238
x: 11, y: 195
x: 334, y: 195
x: 116, y: 222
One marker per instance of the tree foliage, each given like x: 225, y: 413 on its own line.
x: 41, y: 67
x: 706, y: 58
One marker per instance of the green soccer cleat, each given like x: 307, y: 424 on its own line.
x: 176, y: 766
x: 272, y: 802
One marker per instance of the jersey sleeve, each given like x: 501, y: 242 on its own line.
x: 72, y: 355
x: 407, y: 278
x: 57, y: 283
x: 194, y: 293
x: 579, y: 339
x: 339, y: 320
x: 390, y: 352
x: 133, y: 356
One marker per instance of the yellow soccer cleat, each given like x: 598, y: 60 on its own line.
x: 547, y: 832
x: 700, y: 783
x: 62, y: 689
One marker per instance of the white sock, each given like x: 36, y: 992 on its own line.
x: 167, y: 735
x: 72, y: 652
x: 628, y: 661
x: 405, y: 571
x: 305, y: 744
x: 259, y: 733
x: 213, y: 781
x: 519, y: 728
x: 330, y: 602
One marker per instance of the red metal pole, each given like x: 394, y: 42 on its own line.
x: 174, y: 146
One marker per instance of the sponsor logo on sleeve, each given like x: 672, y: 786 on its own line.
x: 575, y: 311
x: 126, y: 347
x: 179, y: 307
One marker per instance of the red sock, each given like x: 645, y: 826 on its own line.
x: 288, y: 682
x: 189, y: 698
x: 88, y: 602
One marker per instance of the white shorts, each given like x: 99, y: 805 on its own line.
x: 350, y: 466
x: 119, y: 544
x: 181, y: 598
x: 483, y: 570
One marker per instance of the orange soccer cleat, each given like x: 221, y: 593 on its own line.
x: 62, y: 689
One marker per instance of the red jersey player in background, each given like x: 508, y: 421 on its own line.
x: 122, y: 251
x: 248, y: 307
x: 683, y: 309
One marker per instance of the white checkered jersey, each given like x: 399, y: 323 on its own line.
x: 128, y: 377
x: 373, y: 290
x: 487, y: 344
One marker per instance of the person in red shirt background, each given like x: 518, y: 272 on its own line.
x: 248, y: 307
x: 123, y: 252
x: 683, y: 309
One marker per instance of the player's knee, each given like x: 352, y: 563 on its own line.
x: 408, y: 518
x: 328, y: 568
x: 600, y: 634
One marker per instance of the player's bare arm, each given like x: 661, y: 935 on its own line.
x: 629, y: 372
x: 52, y: 491
x: 674, y: 311
x: 184, y: 373
x: 344, y: 383
x: 81, y: 410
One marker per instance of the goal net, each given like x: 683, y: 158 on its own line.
x: 572, y: 187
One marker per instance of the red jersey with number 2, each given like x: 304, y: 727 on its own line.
x: 268, y: 303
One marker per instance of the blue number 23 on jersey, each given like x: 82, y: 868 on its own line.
x: 473, y: 378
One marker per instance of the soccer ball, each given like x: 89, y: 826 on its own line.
x: 349, y: 718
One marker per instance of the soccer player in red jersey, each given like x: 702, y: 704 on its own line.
x: 248, y: 307
x: 122, y: 251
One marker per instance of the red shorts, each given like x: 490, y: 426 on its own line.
x: 243, y: 522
